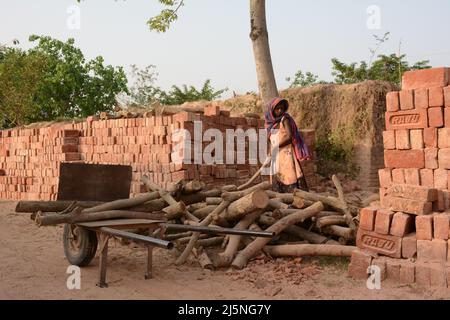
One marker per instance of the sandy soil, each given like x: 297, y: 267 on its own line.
x: 33, y: 266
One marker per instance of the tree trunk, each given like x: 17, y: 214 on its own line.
x: 261, y: 51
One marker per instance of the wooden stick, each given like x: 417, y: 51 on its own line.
x: 213, y: 200
x: 123, y: 203
x: 253, y: 248
x: 287, y: 198
x: 203, y: 212
x: 297, y: 231
x: 348, y: 216
x: 225, y: 258
x: 346, y: 233
x: 330, y: 220
x: 51, y: 206
x: 256, y: 175
x: 205, y: 222
x: 301, y: 250
x: 233, y: 196
x: 277, y: 204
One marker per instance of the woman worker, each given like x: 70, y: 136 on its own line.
x: 287, y: 147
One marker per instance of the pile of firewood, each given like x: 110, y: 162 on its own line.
x: 303, y: 223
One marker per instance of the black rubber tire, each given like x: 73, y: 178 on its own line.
x: 87, y: 246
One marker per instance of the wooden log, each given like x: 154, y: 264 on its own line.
x: 330, y: 220
x: 186, y: 239
x: 347, y: 214
x: 225, y: 258
x: 346, y: 233
x: 275, y: 204
x: 51, y: 206
x: 301, y: 203
x: 175, y: 236
x: 239, y: 208
x: 75, y: 217
x: 326, y: 214
x: 210, y: 242
x: 229, y: 187
x: 326, y: 200
x: 205, y: 222
x: 256, y: 175
x: 199, y: 196
x: 233, y: 196
x: 253, y: 248
x: 189, y: 187
x: 196, y: 206
x: 301, y: 250
x: 213, y: 200
x: 174, y: 211
x: 203, y: 259
x: 202, y: 213
x: 123, y: 203
x: 297, y: 231
x: 287, y: 198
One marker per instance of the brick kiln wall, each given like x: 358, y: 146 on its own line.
x: 408, y: 235
x: 30, y: 158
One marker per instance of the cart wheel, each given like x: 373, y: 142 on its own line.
x: 80, y: 245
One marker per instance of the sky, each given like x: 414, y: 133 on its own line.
x: 210, y: 40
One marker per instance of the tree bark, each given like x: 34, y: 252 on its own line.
x: 261, y: 51
x: 301, y: 250
x: 253, y: 248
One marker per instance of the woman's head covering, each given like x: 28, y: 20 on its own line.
x: 301, y: 149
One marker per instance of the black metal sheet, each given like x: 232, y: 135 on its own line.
x: 94, y: 182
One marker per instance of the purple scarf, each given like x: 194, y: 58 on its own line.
x: 300, y: 147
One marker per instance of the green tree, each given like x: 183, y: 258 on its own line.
x: 186, y: 93
x: 53, y: 80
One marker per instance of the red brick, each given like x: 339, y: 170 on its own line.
x: 405, y: 159
x: 407, y: 273
x: 427, y: 178
x: 441, y: 178
x: 384, y: 244
x: 211, y: 110
x: 71, y: 133
x: 398, y: 176
x: 447, y: 96
x: 402, y: 139
x: 416, y: 138
x: 424, y: 227
x: 360, y: 261
x: 444, y: 138
x: 407, y: 119
x: 441, y: 226
x: 423, y: 274
x: 438, y: 275
x: 447, y: 116
x: 389, y: 139
x: 393, y: 269
x: 416, y: 207
x: 412, y: 192
x: 432, y: 250
x: 380, y: 262
x: 412, y: 176
x: 421, y: 98
x: 392, y: 101
x: 409, y: 246
x: 430, y: 137
x: 383, y: 220
x: 431, y: 158
x: 367, y: 218
x: 436, y: 117
x: 436, y: 97
x: 426, y: 78
x: 406, y: 99
x: 385, y: 177
x: 444, y: 158
x: 72, y: 156
x: 439, y: 204
x: 402, y: 224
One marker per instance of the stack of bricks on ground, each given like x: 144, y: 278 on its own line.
x: 30, y: 158
x: 407, y: 236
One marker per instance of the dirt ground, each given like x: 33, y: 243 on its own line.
x: 33, y: 266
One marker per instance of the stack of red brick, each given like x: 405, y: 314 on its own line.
x: 407, y: 235
x: 30, y: 158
